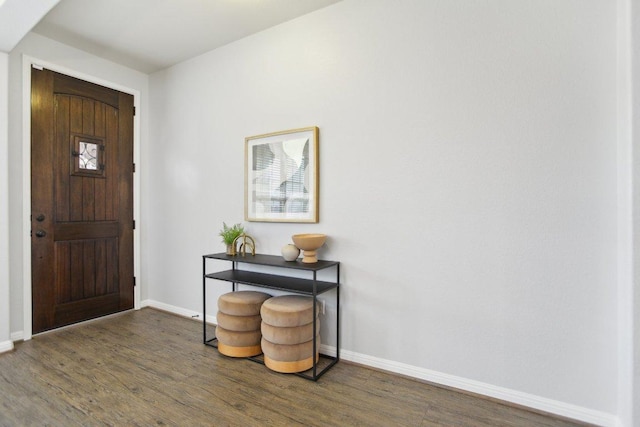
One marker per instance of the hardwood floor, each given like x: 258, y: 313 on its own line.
x: 148, y: 367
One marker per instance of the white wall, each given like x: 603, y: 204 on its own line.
x: 75, y: 61
x: 634, y: 401
x: 468, y: 181
x: 625, y: 216
x: 5, y: 341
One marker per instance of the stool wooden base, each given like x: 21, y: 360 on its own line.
x: 232, y: 351
x: 289, y: 367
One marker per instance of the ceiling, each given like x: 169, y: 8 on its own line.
x: 149, y: 35
x: 17, y: 17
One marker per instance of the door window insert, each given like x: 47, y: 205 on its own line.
x: 87, y: 156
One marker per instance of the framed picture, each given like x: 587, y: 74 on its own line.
x: 281, y: 176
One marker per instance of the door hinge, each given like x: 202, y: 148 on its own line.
x: 134, y: 167
x: 134, y: 281
x: 134, y: 224
x: 134, y: 110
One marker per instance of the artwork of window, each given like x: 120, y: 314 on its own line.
x: 281, y: 176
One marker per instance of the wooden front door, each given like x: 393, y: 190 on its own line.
x: 81, y: 200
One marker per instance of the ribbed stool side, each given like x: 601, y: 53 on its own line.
x: 292, y: 335
x: 289, y: 358
x: 238, y: 344
x: 238, y: 323
x: 242, y: 303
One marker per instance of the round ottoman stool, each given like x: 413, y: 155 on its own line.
x: 287, y: 333
x: 238, y: 329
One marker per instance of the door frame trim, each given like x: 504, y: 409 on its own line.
x: 27, y: 62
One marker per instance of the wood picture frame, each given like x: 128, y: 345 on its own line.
x: 281, y: 176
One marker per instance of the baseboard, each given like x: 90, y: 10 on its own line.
x: 511, y: 396
x: 177, y: 310
x: 6, y: 346
x: 17, y: 336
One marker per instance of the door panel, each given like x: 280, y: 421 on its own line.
x: 86, y: 268
x: 82, y: 200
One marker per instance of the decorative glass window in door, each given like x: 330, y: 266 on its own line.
x: 87, y: 156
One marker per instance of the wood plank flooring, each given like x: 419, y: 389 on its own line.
x: 147, y: 367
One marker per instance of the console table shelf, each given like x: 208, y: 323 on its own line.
x: 272, y: 281
x: 311, y: 287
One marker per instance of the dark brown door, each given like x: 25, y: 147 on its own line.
x: 81, y: 200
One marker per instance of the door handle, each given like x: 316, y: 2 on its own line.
x: 41, y: 233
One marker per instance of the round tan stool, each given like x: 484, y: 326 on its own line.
x: 238, y: 329
x: 287, y: 333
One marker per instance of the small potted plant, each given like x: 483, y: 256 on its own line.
x: 229, y: 234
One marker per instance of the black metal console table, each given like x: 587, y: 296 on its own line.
x: 311, y: 287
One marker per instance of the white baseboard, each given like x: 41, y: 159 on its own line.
x: 512, y: 396
x: 6, y: 346
x: 17, y: 336
x: 177, y: 310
